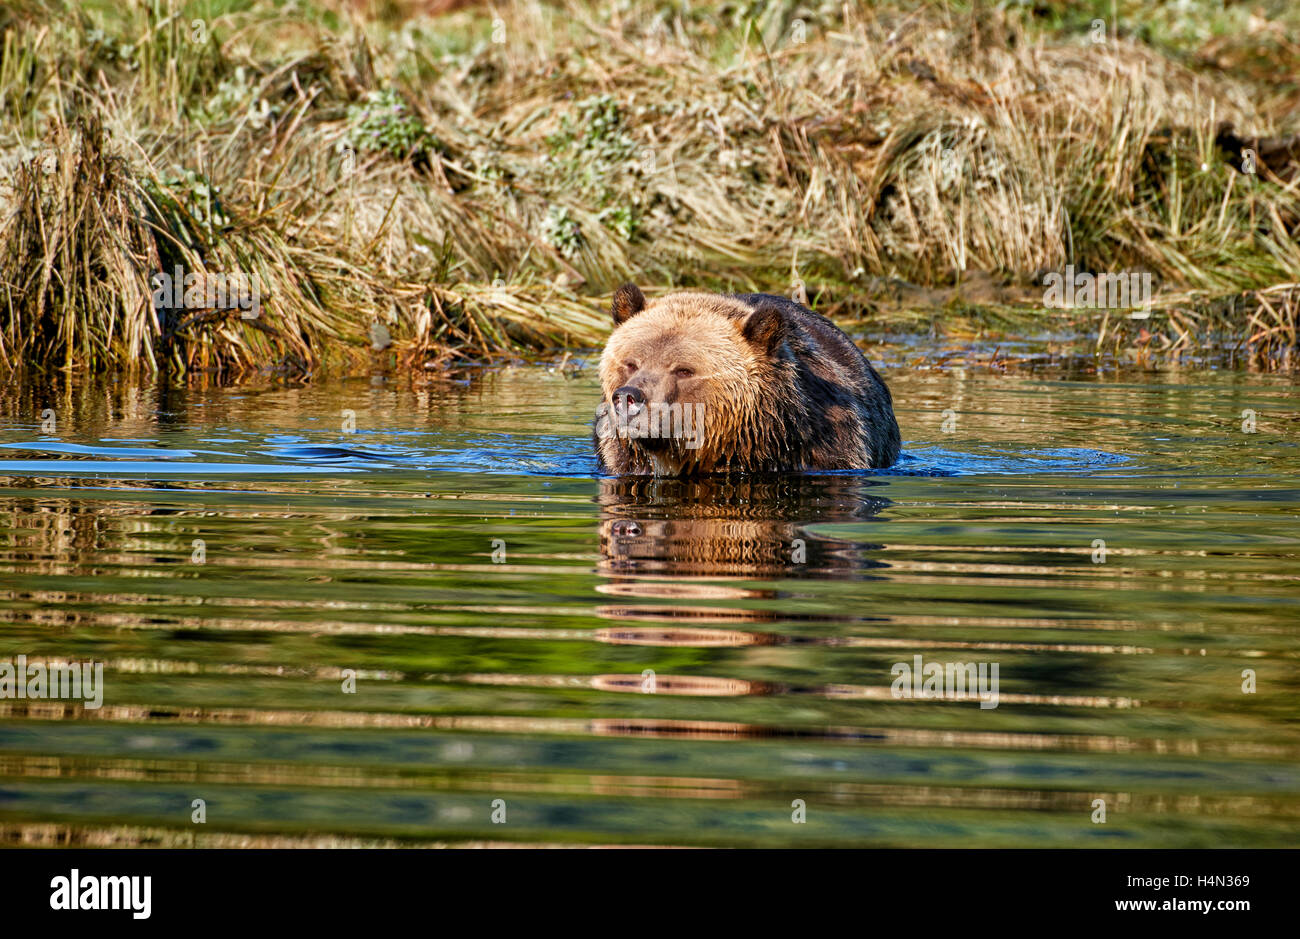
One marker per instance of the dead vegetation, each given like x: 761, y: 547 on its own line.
x: 477, y: 182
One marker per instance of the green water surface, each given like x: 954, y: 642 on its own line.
x: 1124, y: 545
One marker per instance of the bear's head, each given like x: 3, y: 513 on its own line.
x: 688, y: 381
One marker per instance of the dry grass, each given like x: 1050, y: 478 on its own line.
x: 481, y: 196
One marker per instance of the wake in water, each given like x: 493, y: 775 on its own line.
x: 499, y: 454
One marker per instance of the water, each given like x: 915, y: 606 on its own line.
x: 1114, y: 542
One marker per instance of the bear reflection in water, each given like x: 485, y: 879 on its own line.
x: 752, y: 527
x: 671, y: 549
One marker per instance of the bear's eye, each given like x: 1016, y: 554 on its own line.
x: 684, y: 372
x: 630, y: 366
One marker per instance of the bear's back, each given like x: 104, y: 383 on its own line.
x: 824, y: 339
x: 852, y: 405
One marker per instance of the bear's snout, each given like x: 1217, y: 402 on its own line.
x: 630, y: 400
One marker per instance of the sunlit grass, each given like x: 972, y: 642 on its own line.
x: 479, y: 181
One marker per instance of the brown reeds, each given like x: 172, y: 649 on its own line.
x: 478, y: 181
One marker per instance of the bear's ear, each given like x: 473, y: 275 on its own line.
x: 764, y: 329
x: 628, y: 302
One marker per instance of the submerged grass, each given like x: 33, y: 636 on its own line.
x: 476, y: 182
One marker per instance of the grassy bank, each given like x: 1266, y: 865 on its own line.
x: 477, y: 181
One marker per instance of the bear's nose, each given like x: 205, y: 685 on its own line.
x: 630, y: 400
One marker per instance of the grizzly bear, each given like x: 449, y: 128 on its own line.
x: 702, y: 383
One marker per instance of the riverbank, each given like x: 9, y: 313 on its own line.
x: 413, y: 191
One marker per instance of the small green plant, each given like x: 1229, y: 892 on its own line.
x: 234, y: 94
x: 596, y: 131
x: 561, y: 231
x: 192, y: 201
x: 384, y: 122
x: 622, y: 219
x: 103, y: 47
x: 592, y: 157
